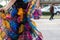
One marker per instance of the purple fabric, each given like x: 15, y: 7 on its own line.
x: 37, y: 12
x: 27, y: 26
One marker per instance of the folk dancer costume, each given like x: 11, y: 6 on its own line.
x: 16, y: 25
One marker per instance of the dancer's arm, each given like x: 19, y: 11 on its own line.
x: 8, y: 5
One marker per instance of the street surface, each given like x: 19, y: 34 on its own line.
x: 49, y: 28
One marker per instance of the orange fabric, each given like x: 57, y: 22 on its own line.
x: 21, y: 13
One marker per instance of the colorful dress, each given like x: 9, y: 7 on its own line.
x: 16, y: 25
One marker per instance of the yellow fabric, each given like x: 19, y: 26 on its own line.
x: 34, y: 23
x: 21, y: 28
x: 0, y: 31
x: 32, y: 3
x: 21, y: 13
x: 1, y: 38
x: 3, y: 15
x: 6, y: 24
x: 2, y: 35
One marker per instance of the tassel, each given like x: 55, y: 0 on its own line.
x: 34, y: 23
x: 31, y: 25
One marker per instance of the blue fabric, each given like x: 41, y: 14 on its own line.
x: 12, y: 34
x: 14, y: 25
x: 26, y: 1
x: 13, y: 12
x: 32, y: 24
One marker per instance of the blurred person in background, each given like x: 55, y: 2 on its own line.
x: 51, y: 11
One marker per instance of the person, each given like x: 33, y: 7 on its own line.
x: 18, y: 24
x: 52, y: 12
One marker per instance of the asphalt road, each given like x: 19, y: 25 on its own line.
x: 49, y: 28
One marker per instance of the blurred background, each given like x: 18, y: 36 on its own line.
x: 45, y: 6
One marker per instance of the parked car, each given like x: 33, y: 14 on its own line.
x: 47, y: 9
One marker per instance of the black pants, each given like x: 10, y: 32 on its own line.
x: 52, y: 15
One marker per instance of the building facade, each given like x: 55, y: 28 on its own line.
x: 48, y: 2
